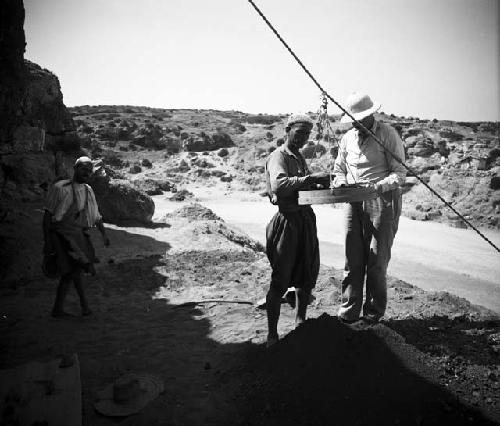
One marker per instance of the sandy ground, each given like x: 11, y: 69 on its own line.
x: 434, y: 359
x: 433, y: 256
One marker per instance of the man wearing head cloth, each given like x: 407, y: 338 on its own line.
x: 70, y: 210
x: 370, y: 225
x: 291, y: 238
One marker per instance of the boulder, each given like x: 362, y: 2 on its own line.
x: 139, y: 140
x: 495, y: 183
x: 107, y: 133
x: 489, y: 127
x: 120, y: 202
x: 182, y: 167
x: 113, y: 160
x: 313, y: 150
x: 423, y: 148
x: 451, y: 135
x: 149, y: 136
x: 153, y: 186
x: 494, y: 158
x: 146, y: 163
x: 201, y: 162
x: 412, y: 131
x: 135, y: 168
x: 223, y: 152
x: 181, y: 195
x: 217, y: 173
x: 442, y: 148
x: 209, y: 142
x: 171, y: 145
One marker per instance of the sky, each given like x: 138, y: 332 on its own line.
x: 420, y: 58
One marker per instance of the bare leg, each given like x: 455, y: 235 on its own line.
x: 302, y: 299
x: 77, y: 280
x: 273, y: 307
x: 62, y: 291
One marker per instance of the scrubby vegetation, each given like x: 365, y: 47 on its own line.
x: 459, y: 159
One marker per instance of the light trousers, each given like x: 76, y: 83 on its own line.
x: 370, y: 229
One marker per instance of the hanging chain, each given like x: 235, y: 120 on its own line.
x: 326, y: 133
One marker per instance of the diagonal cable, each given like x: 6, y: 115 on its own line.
x: 323, y: 91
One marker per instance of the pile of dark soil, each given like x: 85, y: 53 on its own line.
x: 328, y: 373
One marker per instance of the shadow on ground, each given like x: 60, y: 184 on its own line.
x: 461, y: 337
x: 324, y: 373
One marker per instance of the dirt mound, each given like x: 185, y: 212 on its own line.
x: 181, y: 195
x: 206, y: 226
x: 195, y: 211
x: 325, y: 371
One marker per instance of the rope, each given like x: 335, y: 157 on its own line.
x: 325, y: 93
x: 200, y: 302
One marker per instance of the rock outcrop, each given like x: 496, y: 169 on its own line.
x: 36, y: 129
x: 119, y: 202
x: 38, y: 138
x: 208, y: 142
x: 313, y: 150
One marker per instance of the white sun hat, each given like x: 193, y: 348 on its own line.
x: 83, y: 160
x: 359, y: 105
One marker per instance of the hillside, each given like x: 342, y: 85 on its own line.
x: 166, y: 149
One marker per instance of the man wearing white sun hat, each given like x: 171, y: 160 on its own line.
x: 370, y: 225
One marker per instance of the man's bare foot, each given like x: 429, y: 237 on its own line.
x: 56, y: 313
x: 272, y: 340
x: 299, y: 322
x: 86, y: 312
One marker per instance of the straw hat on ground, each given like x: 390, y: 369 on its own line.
x: 359, y: 105
x: 128, y: 394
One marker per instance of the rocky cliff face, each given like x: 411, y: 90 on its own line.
x: 37, y: 133
x: 38, y: 139
x: 12, y: 44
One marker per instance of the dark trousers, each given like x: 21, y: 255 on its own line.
x: 293, y: 250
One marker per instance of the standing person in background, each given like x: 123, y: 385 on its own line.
x: 291, y: 237
x: 370, y: 225
x: 71, y: 209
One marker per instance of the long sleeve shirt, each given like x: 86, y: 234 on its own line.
x: 362, y: 160
x: 286, y: 174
